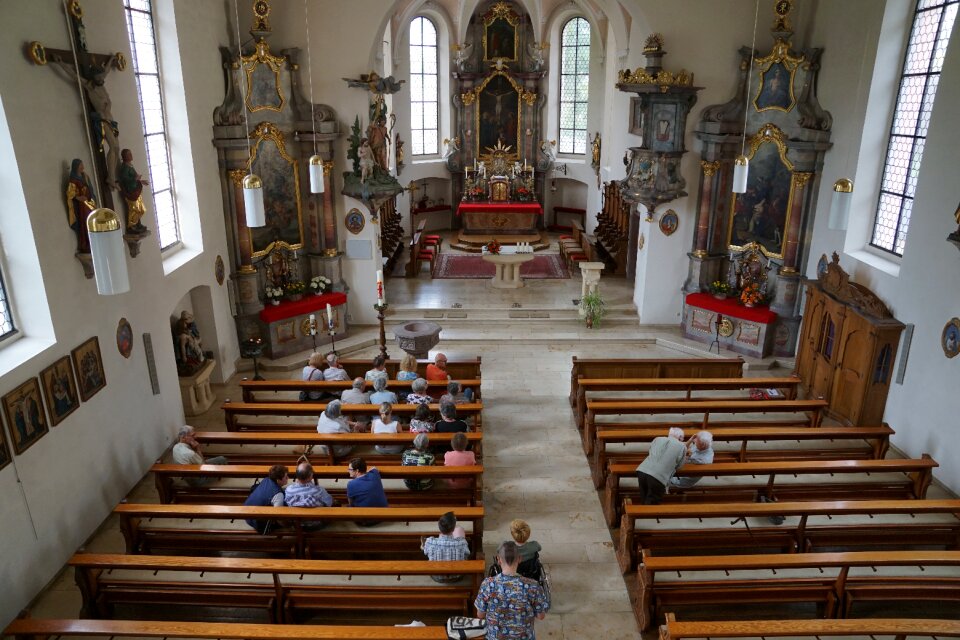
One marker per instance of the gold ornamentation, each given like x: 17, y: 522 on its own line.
x: 709, y: 167
x: 274, y: 63
x: 327, y: 167
x: 780, y: 54
x: 771, y: 133
x: 801, y: 178
x: 119, y: 61
x: 261, y: 14
x: 268, y: 132
x: 653, y: 43
x: 75, y: 9
x: 782, y: 20
x: 528, y: 97
x: 37, y: 53
x: 663, y: 79
x: 501, y: 11
x: 305, y: 327
x: 788, y: 271
x: 246, y: 268
x: 726, y: 328
x: 699, y: 253
x: 237, y: 176
x: 468, y: 98
x: 331, y: 253
x: 499, y: 221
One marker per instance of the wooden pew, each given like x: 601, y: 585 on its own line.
x: 648, y: 528
x: 260, y: 390
x: 292, y: 540
x: 901, y: 628
x: 651, y: 368
x: 171, y: 492
x: 459, y: 369
x: 37, y: 629
x: 809, y: 412
x: 578, y: 247
x: 233, y: 410
x: 832, y: 591
x: 918, y: 474
x: 684, y: 386
x: 279, y: 594
x: 877, y: 439
x: 318, y: 440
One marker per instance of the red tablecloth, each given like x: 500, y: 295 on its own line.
x: 504, y: 207
x: 293, y: 308
x: 732, y: 307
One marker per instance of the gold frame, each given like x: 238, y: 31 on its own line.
x: 768, y: 133
x: 522, y: 95
x: 268, y: 131
x: 779, y: 54
x: 502, y: 11
x: 249, y: 63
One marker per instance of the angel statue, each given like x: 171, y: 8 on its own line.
x: 461, y: 54
x: 538, y: 54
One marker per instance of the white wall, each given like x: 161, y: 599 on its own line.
x: 72, y: 477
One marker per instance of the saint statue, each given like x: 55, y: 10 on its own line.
x: 80, y: 203
x: 379, y: 140
x: 131, y: 188
x: 187, y: 345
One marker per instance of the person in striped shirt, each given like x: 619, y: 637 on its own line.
x: 305, y: 492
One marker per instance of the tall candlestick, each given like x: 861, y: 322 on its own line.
x: 379, y: 287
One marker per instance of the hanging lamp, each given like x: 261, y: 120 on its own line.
x: 315, y: 164
x: 107, y: 251
x: 253, y: 205
x: 741, y: 165
x: 840, y: 204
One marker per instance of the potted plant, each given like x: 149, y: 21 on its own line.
x: 594, y: 309
x: 294, y: 290
x: 274, y: 294
x: 719, y: 290
x: 319, y: 285
x: 524, y: 194
x: 751, y: 295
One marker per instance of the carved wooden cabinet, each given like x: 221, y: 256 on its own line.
x: 847, y: 347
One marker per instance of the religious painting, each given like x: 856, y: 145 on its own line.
x: 286, y: 332
x: 664, y: 128
x: 777, y: 74
x: 262, y: 69
x: 24, y: 410
x: 500, y: 37
x: 89, y: 366
x: 354, y: 221
x: 498, y: 114
x: 5, y: 456
x: 950, y: 339
x: 59, y: 390
x: 669, y: 222
x: 124, y: 338
x: 219, y: 271
x: 281, y: 193
x: 760, y: 214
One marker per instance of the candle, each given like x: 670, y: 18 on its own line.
x: 313, y: 324
x: 380, y: 287
x: 330, y: 317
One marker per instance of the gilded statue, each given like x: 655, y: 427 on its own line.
x: 131, y: 188
x: 80, y: 203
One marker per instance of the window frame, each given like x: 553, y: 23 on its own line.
x: 163, y: 133
x: 423, y: 75
x: 561, y: 76
x: 6, y: 310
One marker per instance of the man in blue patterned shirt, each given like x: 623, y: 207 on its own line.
x: 448, y: 546
x: 510, y: 602
x: 304, y: 492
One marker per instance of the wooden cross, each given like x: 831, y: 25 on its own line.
x: 89, y: 71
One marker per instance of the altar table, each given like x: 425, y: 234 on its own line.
x: 286, y: 327
x: 746, y: 330
x: 503, y: 218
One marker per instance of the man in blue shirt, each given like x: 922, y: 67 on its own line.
x: 365, y: 488
x: 267, y: 493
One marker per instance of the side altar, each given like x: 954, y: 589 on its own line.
x: 291, y: 326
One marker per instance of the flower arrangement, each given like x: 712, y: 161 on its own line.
x: 493, y: 247
x: 719, y: 289
x: 751, y: 295
x: 523, y: 193
x: 274, y: 294
x: 319, y: 284
x: 294, y: 288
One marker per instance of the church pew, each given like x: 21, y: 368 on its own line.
x: 118, y: 586
x: 648, y: 527
x: 901, y: 628
x: 917, y: 474
x: 876, y: 438
x: 807, y: 412
x: 259, y: 390
x: 233, y: 410
x: 171, y: 492
x: 825, y: 579
x: 651, y: 368
x: 459, y: 369
x: 140, y: 536
x: 318, y: 440
x: 685, y: 386
x: 45, y: 629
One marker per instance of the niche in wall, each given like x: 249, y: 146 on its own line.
x: 570, y: 193
x: 199, y: 302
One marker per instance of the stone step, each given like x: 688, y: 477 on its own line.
x: 615, y: 315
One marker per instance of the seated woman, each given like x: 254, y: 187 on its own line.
x: 379, y: 370
x: 422, y: 420
x: 408, y: 368
x: 333, y: 421
x: 459, y: 457
x: 380, y: 393
x: 418, y: 456
x: 386, y: 423
x: 418, y: 392
x: 312, y: 372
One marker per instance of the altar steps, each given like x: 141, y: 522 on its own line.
x: 474, y: 243
x: 615, y: 315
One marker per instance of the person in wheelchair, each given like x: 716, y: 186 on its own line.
x: 529, y: 551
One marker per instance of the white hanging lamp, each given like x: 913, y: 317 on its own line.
x: 741, y: 165
x: 315, y: 163
x: 840, y: 204
x: 107, y: 251
x: 741, y: 169
x: 253, y: 201
x: 316, y: 174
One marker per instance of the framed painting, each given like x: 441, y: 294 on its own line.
x: 262, y: 70
x: 950, y: 339
x: 498, y: 114
x: 24, y: 410
x: 669, y: 222
x: 59, y: 390
x: 777, y: 74
x: 89, y: 365
x: 5, y: 456
x: 500, y: 33
x: 124, y: 338
x: 281, y: 192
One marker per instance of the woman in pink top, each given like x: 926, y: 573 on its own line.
x: 459, y: 458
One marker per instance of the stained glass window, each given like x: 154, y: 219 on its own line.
x: 424, y: 88
x: 929, y: 36
x: 146, y: 69
x: 6, y: 318
x: 574, y: 85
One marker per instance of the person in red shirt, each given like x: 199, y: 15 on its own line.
x: 438, y: 370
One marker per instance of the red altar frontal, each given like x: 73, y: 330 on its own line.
x: 287, y: 325
x: 746, y: 330
x: 504, y: 218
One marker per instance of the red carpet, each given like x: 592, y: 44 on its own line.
x: 542, y: 267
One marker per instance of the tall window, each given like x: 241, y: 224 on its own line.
x: 146, y: 69
x: 6, y: 319
x: 574, y: 85
x: 424, y: 87
x: 929, y: 36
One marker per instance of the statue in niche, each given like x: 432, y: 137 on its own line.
x: 187, y: 345
x: 131, y: 188
x: 80, y: 203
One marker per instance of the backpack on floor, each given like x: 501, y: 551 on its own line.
x: 461, y: 628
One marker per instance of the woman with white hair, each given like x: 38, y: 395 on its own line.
x: 665, y: 456
x: 333, y: 421
x: 418, y: 392
x: 699, y: 450
x: 418, y: 456
x: 380, y: 393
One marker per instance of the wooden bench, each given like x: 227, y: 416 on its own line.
x: 651, y: 368
x: 648, y: 527
x: 900, y: 628
x: 807, y: 412
x: 876, y: 438
x: 684, y: 386
x: 459, y: 369
x: 278, y: 594
x: 680, y: 586
x: 292, y: 540
x: 37, y: 629
x: 577, y: 247
x: 266, y: 390
x: 318, y: 440
x: 917, y: 475
x: 171, y: 492
x: 233, y: 410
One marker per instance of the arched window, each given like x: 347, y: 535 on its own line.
x: 574, y: 85
x: 929, y: 36
x: 424, y: 88
x: 146, y: 69
x: 6, y: 318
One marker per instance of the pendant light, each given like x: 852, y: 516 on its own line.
x: 253, y: 206
x: 315, y: 164
x: 840, y: 205
x: 106, y: 249
x: 741, y: 165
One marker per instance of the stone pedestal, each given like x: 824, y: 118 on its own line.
x: 590, y: 272
x: 507, y: 275
x: 417, y: 337
x: 195, y: 390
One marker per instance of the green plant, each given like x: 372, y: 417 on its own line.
x: 719, y: 288
x: 294, y: 288
x: 594, y: 308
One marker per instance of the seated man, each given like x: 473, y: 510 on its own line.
x: 306, y: 493
x: 188, y: 451
x: 334, y: 370
x: 267, y: 492
x: 450, y: 545
x: 456, y: 394
x: 698, y: 450
x: 664, y: 458
x: 356, y: 395
x: 438, y: 370
x: 365, y: 488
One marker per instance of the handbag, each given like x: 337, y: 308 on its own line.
x: 461, y: 628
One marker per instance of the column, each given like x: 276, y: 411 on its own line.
x: 244, y: 241
x: 798, y: 195
x: 329, y: 213
x: 703, y: 210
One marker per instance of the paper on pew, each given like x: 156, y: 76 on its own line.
x: 415, y: 623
